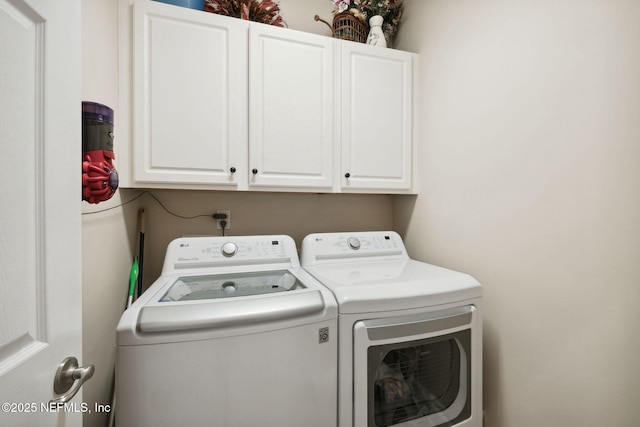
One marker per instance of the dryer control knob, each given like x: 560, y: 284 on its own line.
x: 229, y: 249
x: 353, y: 243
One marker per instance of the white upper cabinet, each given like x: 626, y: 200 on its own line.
x: 291, y: 109
x: 376, y: 119
x: 189, y: 97
x: 212, y: 102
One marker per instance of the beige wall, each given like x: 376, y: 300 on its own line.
x: 256, y: 213
x: 530, y: 170
x: 298, y: 15
x: 109, y: 238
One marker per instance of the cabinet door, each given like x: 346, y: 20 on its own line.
x: 190, y: 96
x: 376, y: 119
x: 291, y: 141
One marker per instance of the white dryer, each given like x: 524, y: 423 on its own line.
x: 410, y: 333
x: 234, y: 333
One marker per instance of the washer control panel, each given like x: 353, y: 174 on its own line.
x: 188, y: 252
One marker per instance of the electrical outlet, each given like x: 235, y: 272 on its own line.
x: 226, y: 212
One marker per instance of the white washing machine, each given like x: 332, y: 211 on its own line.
x: 234, y: 333
x: 410, y: 333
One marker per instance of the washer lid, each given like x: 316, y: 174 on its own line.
x: 393, y: 285
x: 231, y: 285
x: 219, y: 301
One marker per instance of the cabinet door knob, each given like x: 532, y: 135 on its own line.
x: 232, y: 170
x: 254, y: 171
x: 347, y: 175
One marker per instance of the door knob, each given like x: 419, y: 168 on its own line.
x: 69, y: 378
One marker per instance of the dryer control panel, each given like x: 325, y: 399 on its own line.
x: 198, y: 252
x: 317, y: 248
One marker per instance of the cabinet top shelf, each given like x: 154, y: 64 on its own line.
x: 322, y: 30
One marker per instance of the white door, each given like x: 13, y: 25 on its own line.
x: 40, y: 226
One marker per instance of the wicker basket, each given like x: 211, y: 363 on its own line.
x: 347, y: 27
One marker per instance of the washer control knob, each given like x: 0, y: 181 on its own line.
x: 353, y: 243
x: 229, y: 249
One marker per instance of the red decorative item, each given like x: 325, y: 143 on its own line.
x: 99, y: 177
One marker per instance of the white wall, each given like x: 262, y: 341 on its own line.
x: 530, y: 170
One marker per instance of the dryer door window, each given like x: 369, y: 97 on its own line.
x: 420, y: 379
